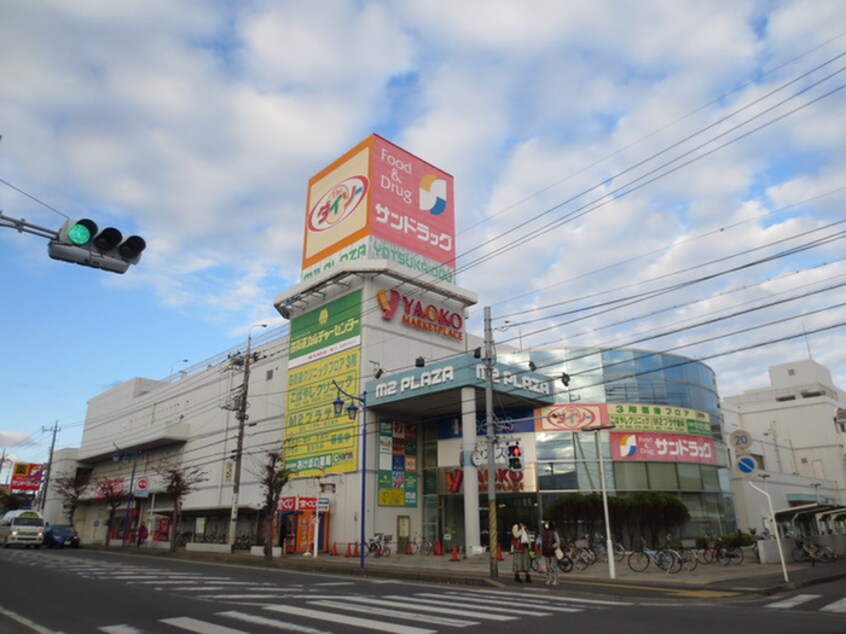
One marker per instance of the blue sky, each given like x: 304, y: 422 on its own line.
x: 198, y: 124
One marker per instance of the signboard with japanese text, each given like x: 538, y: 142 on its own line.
x: 641, y: 446
x: 332, y: 328
x: 664, y: 419
x: 317, y: 441
x: 378, y: 201
x: 26, y: 476
x: 398, y: 477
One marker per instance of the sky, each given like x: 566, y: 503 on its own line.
x: 663, y: 174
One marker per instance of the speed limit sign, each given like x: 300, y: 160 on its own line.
x: 741, y: 440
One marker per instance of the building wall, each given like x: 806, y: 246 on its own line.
x: 796, y: 440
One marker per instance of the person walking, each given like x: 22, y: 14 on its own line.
x: 520, y: 551
x: 549, y: 544
x: 143, y: 533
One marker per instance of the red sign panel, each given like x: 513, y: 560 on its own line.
x: 412, y: 203
x: 26, y: 476
x: 642, y: 446
x: 570, y: 417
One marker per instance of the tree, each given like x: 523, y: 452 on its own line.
x: 70, y: 486
x: 112, y: 493
x: 273, y: 477
x: 178, y: 482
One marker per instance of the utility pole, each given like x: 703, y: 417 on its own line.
x: 55, y: 429
x: 241, y: 415
x: 491, y: 438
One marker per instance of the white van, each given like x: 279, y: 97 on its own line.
x: 22, y: 528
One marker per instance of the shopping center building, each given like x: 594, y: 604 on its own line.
x: 378, y: 326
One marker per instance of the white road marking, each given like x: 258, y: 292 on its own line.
x: 346, y: 619
x: 837, y: 606
x: 279, y: 625
x: 425, y: 605
x: 384, y: 612
x: 200, y: 627
x: 799, y: 599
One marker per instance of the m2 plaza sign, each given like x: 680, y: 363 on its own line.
x: 463, y: 371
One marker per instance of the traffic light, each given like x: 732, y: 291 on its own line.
x: 515, y: 457
x: 80, y: 242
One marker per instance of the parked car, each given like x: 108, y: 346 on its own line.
x: 61, y: 535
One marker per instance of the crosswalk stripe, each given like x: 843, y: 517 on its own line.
x: 793, y: 601
x: 462, y: 600
x: 837, y: 606
x: 384, y: 612
x: 371, y: 624
x: 425, y: 605
x: 200, y: 627
x: 254, y: 619
x: 556, y: 599
x: 119, y: 629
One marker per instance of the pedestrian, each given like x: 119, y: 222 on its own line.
x: 520, y: 551
x: 549, y: 544
x: 142, y: 535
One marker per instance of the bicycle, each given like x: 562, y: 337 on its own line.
x: 379, y: 545
x: 809, y: 551
x: 687, y: 554
x: 420, y: 545
x: 536, y: 563
x: 597, y: 545
x: 666, y: 559
x: 714, y: 550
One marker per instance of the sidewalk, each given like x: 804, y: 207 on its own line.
x: 707, y: 581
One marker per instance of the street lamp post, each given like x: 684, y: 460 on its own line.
x: 352, y: 411
x: 118, y: 456
x: 609, y: 543
x: 172, y: 366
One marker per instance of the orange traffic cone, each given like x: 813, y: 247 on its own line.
x: 349, y: 550
x: 408, y: 549
x: 499, y: 552
x: 355, y: 551
x: 437, y: 549
x: 454, y: 554
x: 334, y: 552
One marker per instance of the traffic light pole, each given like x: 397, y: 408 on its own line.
x: 493, y: 537
x: 22, y: 226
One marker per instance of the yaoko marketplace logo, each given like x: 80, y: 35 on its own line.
x: 433, y: 194
x: 337, y: 203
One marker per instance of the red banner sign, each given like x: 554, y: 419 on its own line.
x: 26, y: 476
x: 641, y: 446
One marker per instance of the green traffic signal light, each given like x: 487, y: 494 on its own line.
x: 81, y: 232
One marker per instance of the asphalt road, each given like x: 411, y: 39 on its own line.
x: 86, y: 591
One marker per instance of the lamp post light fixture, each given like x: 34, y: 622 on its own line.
x: 352, y: 412
x: 172, y: 366
x: 123, y: 456
x: 609, y: 543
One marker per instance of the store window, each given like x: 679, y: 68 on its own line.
x: 662, y: 476
x: 690, y: 479
x: 631, y: 476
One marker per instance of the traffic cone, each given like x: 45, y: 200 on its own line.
x: 408, y: 548
x: 437, y: 549
x: 355, y: 550
x: 454, y: 554
x: 349, y: 550
x: 499, y: 552
x: 334, y: 552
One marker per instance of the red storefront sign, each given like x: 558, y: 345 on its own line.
x: 642, y: 446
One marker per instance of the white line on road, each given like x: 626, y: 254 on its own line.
x: 200, y: 627
x: 346, y: 619
x: 400, y: 614
x: 799, y: 599
x: 425, y: 605
x: 837, y: 606
x: 279, y: 625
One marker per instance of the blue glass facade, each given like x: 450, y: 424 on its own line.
x: 567, y: 462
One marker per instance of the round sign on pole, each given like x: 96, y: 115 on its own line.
x: 747, y: 466
x: 741, y: 440
x: 142, y: 484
